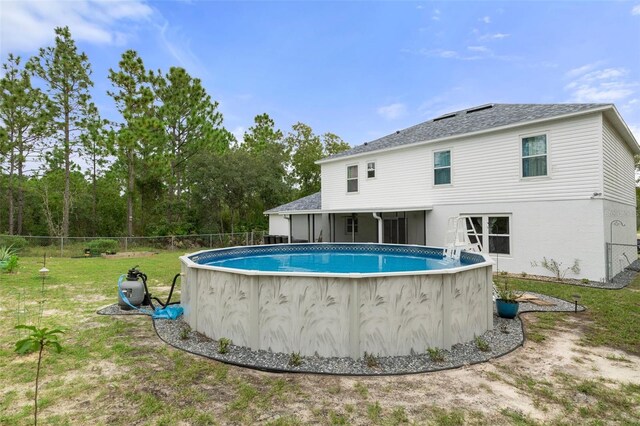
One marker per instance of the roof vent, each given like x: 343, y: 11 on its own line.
x: 366, y: 143
x: 397, y: 132
x: 479, y: 108
x: 444, y: 117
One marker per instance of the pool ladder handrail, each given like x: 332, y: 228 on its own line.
x: 457, y: 238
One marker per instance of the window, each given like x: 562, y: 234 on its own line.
x: 494, y: 229
x: 351, y: 225
x: 352, y: 178
x: 534, y: 156
x: 498, y: 232
x: 371, y: 169
x: 442, y: 168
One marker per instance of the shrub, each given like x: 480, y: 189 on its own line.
x: 295, y: 359
x: 505, y: 293
x: 103, y: 246
x: 10, y: 265
x: 6, y: 253
x: 482, y: 344
x: 223, y: 345
x: 370, y: 360
x: 557, y: 268
x: 435, y: 354
x: 15, y: 241
x: 8, y: 259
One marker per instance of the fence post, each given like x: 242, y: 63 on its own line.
x: 61, y: 246
x: 210, y: 240
x: 252, y: 237
x: 173, y: 243
x: 126, y: 243
x: 608, y: 251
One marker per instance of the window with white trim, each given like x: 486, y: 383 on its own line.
x: 352, y: 178
x: 442, y: 167
x: 371, y: 169
x: 351, y: 225
x: 534, y: 156
x: 494, y: 229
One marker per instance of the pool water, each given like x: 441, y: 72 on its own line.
x: 340, y: 262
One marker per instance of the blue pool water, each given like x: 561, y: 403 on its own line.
x: 334, y: 262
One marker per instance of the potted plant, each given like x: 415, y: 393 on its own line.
x: 507, y: 301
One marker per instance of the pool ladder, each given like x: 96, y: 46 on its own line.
x: 459, y: 228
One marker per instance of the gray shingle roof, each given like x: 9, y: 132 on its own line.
x: 310, y: 202
x: 474, y: 119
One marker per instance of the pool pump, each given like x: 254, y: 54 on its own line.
x: 134, y: 289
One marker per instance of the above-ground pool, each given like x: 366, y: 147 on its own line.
x: 338, y: 299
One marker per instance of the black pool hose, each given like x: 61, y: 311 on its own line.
x: 148, y: 298
x: 168, y: 302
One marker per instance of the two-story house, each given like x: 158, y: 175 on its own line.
x: 538, y: 181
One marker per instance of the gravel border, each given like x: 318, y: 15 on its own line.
x: 506, y: 336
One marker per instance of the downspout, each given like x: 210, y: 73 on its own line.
x: 379, y: 219
x: 288, y: 217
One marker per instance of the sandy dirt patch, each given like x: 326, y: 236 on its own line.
x: 487, y: 388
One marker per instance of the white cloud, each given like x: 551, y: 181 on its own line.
x: 436, y: 15
x: 575, y: 72
x: 28, y: 24
x: 482, y: 49
x: 479, y: 52
x: 393, y: 111
x: 599, y: 85
x: 486, y: 19
x: 238, y: 133
x: 179, y: 47
x: 496, y: 36
x: 636, y: 10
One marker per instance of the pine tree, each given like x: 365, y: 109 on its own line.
x: 140, y: 130
x: 24, y: 113
x: 67, y: 76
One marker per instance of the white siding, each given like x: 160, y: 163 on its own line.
x: 618, y: 168
x: 484, y: 169
x: 278, y: 225
x: 559, y: 230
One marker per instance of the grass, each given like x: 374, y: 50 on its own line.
x: 114, y: 370
x: 612, y: 317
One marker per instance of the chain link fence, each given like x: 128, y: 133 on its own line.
x: 76, y: 246
x: 619, y: 256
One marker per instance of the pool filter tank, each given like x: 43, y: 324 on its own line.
x: 133, y: 289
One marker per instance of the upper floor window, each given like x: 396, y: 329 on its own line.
x: 442, y: 167
x: 352, y: 178
x: 371, y: 169
x: 534, y: 156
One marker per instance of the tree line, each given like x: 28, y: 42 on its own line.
x: 167, y: 166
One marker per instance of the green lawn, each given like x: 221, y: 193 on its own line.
x: 114, y: 370
x: 614, y: 314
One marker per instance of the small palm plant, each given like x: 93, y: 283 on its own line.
x: 38, y: 340
x: 8, y: 259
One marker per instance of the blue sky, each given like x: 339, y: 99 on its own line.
x: 358, y: 69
